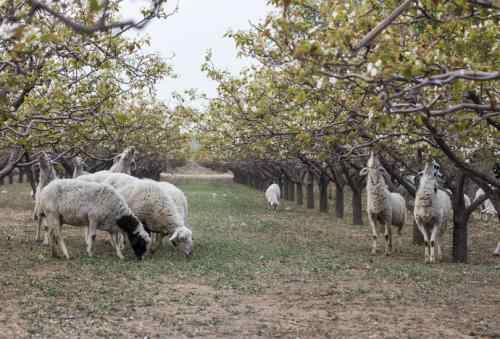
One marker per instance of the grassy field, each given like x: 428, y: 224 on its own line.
x: 254, y: 273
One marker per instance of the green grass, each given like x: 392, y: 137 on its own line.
x: 244, y: 255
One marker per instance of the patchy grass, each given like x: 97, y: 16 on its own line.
x: 291, y: 273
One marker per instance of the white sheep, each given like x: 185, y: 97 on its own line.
x: 432, y: 209
x: 46, y: 175
x: 158, y: 212
x: 93, y: 205
x: 486, y: 209
x: 385, y: 209
x: 78, y: 167
x: 179, y: 198
x: 273, y: 196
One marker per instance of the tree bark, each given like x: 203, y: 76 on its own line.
x: 323, y: 193
x: 286, y: 186
x: 291, y: 190
x: 460, y: 237
x: 300, y: 194
x: 310, y: 192
x: 357, y: 207
x: 339, y: 200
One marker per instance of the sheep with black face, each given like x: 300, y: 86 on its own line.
x: 93, y: 205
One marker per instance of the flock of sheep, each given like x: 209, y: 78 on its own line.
x: 144, y: 211
x: 387, y: 210
x: 140, y: 210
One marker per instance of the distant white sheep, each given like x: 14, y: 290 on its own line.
x: 432, y: 209
x: 273, y: 196
x: 385, y: 209
x: 96, y: 206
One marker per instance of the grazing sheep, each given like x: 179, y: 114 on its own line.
x: 385, y: 209
x: 78, y: 167
x: 158, y: 212
x: 98, y: 206
x: 179, y: 198
x: 486, y: 208
x: 125, y: 162
x: 273, y: 196
x: 432, y: 208
x: 46, y: 175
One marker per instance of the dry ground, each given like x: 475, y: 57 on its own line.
x: 255, y: 273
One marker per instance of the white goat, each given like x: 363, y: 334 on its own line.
x: 385, y: 209
x: 79, y: 203
x: 273, y: 196
x: 432, y: 209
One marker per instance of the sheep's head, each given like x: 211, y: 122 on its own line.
x: 374, y: 170
x: 182, y: 239
x: 47, y: 172
x: 137, y: 235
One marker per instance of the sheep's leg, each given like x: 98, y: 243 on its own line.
x: 426, y: 241
x: 116, y: 245
x: 400, y: 241
x: 57, y: 237
x: 156, y: 245
x: 439, y: 250
x: 433, y: 244
x: 497, y: 250
x: 38, y: 229
x: 374, y: 234
x: 90, y: 237
x: 388, y: 239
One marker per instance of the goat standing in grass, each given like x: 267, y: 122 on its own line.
x: 385, y: 209
x: 432, y: 209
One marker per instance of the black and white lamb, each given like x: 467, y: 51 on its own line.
x: 385, y: 209
x: 432, y: 209
x: 93, y: 205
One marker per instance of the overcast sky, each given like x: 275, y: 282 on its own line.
x: 198, y: 26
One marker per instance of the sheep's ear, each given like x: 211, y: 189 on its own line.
x: 364, y: 171
x: 174, y: 236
